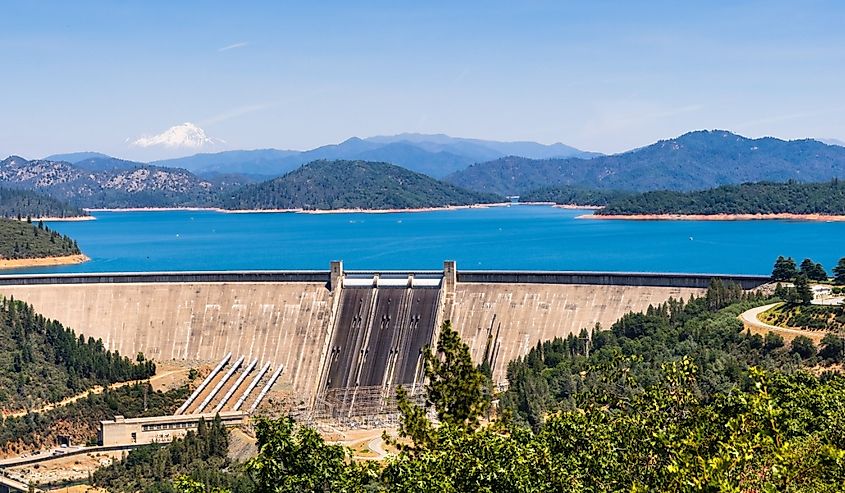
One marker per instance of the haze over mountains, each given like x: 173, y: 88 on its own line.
x: 696, y: 160
x: 435, y: 155
x: 693, y: 161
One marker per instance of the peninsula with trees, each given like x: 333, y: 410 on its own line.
x: 24, y: 244
x: 763, y: 200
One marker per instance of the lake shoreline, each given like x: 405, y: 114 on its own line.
x: 300, y: 211
x: 59, y: 219
x: 20, y: 263
x: 716, y: 217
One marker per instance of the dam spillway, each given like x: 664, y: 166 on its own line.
x: 336, y: 330
x: 381, y: 328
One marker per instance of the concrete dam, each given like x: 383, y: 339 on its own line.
x: 346, y: 339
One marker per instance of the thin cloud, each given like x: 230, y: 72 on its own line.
x: 236, y: 112
x: 235, y: 46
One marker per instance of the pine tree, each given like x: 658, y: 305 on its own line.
x: 804, y: 295
x: 784, y: 269
x: 839, y: 272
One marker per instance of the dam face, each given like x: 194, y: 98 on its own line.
x: 342, y: 336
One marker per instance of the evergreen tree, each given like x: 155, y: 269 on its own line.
x: 839, y: 272
x: 784, y: 269
x: 833, y: 348
x: 803, y: 293
x: 813, y: 270
x: 803, y: 346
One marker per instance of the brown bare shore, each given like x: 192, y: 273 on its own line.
x: 42, y: 261
x: 716, y: 217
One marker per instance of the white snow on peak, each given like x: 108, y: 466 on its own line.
x: 186, y: 135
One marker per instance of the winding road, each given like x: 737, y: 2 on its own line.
x: 751, y: 320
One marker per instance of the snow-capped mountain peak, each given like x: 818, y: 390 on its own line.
x: 184, y: 136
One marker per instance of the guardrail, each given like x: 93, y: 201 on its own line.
x: 685, y: 280
x: 677, y: 280
x: 48, y: 456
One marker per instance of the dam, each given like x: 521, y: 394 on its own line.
x: 346, y: 339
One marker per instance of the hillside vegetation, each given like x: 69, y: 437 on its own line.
x: 199, y: 457
x: 693, y: 161
x: 574, y: 196
x: 21, y: 204
x: 22, y: 240
x: 747, y: 198
x: 42, y: 361
x: 679, y: 398
x: 328, y: 185
x: 810, y: 317
x: 80, y: 420
x: 112, y: 183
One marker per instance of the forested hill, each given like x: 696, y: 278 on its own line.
x: 693, y: 161
x: 747, y: 198
x: 21, y: 204
x: 328, y: 185
x: 20, y: 240
x: 574, y: 196
x: 42, y: 361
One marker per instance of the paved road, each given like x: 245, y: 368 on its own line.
x: 751, y: 321
x: 48, y: 454
x: 12, y: 485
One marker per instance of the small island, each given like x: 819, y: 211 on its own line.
x: 340, y: 185
x: 23, y: 244
x: 748, y: 201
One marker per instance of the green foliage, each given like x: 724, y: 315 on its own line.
x: 776, y: 432
x: 803, y: 292
x: 573, y: 196
x: 748, y: 198
x: 455, y: 389
x: 784, y: 269
x: 42, y: 361
x: 810, y: 317
x: 198, y: 461
x: 20, y: 240
x: 20, y: 204
x: 813, y: 270
x: 833, y: 348
x: 803, y: 346
x: 839, y: 272
x: 294, y: 458
x: 327, y: 185
x: 455, y: 384
x: 610, y: 365
x: 82, y: 417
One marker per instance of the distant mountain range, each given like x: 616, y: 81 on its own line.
x: 433, y: 155
x: 693, y: 161
x: 339, y: 184
x: 696, y: 160
x: 112, y: 183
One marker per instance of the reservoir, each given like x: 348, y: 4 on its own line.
x: 519, y: 237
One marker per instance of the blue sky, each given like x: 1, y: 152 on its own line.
x: 600, y: 75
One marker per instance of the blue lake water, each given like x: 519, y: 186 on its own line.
x: 513, y: 238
